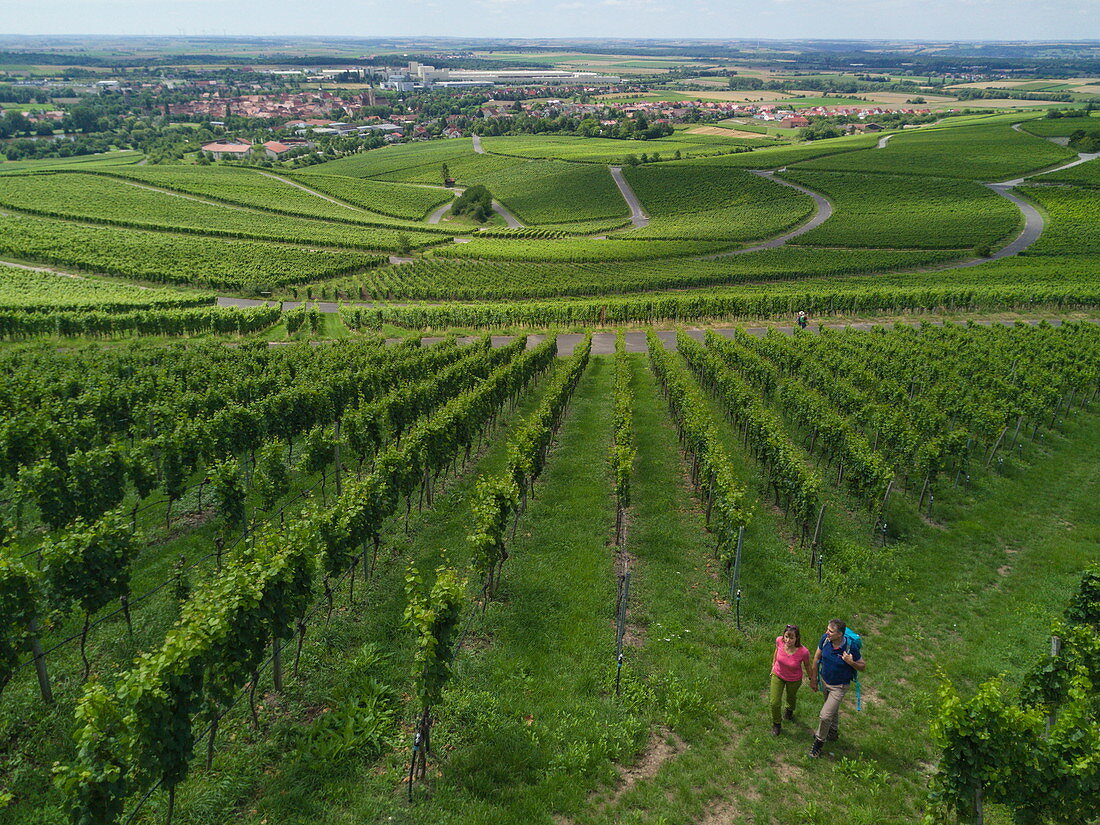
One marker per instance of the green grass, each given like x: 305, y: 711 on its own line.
x: 906, y: 211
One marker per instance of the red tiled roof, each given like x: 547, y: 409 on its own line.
x: 227, y: 147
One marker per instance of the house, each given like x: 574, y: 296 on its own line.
x: 275, y: 149
x: 228, y: 149
x: 451, y: 132
x: 794, y: 122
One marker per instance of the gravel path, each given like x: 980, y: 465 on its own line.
x: 477, y: 145
x: 638, y: 216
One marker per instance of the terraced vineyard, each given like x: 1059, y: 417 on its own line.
x: 1074, y: 220
x: 904, y: 211
x: 104, y: 200
x: 248, y: 188
x: 707, y: 204
x: 409, y: 202
x: 605, y: 150
x: 981, y: 153
x: 471, y: 280
x: 163, y: 257
x: 1085, y: 174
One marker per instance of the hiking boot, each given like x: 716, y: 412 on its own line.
x: 815, y: 748
x: 776, y: 729
x: 788, y: 714
x: 834, y: 734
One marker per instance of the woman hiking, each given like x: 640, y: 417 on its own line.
x: 790, y: 659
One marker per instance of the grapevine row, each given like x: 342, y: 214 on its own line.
x: 788, y: 475
x: 499, y: 499
x: 712, y: 472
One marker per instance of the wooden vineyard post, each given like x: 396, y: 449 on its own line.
x: 40, y: 663
x: 277, y: 664
x: 1055, y: 650
x: 817, y: 536
x: 336, y: 457
x: 735, y: 579
x: 880, y: 525
x: 996, y: 446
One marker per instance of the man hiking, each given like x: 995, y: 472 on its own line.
x: 836, y: 663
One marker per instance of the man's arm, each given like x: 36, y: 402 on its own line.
x: 813, y: 669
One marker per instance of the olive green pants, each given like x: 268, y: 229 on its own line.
x: 778, y: 689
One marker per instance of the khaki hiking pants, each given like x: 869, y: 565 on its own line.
x: 829, y: 718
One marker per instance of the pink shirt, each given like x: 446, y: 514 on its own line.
x: 788, y: 666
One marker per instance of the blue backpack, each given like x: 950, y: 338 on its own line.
x: 852, y: 642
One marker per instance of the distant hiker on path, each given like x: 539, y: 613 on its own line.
x: 802, y: 320
x: 836, y: 662
x: 790, y: 659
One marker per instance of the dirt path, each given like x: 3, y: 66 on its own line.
x: 882, y: 141
x: 315, y: 193
x: 638, y: 216
x: 477, y: 145
x: 40, y: 268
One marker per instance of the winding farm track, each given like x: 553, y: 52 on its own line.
x: 314, y: 192
x: 882, y: 141
x: 438, y: 214
x: 823, y: 213
x: 510, y: 219
x: 477, y: 145
x: 638, y: 216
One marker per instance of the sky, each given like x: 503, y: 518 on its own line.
x: 782, y: 19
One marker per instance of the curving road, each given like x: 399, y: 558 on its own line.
x: 510, y: 219
x: 477, y: 145
x: 882, y: 141
x: 823, y: 213
x: 438, y: 214
x: 638, y: 216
